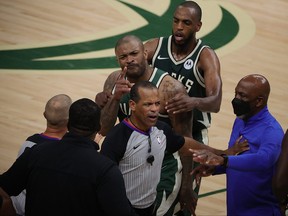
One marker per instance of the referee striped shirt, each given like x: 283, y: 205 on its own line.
x: 128, y: 147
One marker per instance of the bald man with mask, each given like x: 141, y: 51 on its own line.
x: 249, y: 175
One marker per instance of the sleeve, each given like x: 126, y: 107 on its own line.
x: 219, y: 170
x: 26, y: 144
x: 14, y: 180
x: 264, y: 157
x: 174, y: 141
x: 112, y: 194
x: 19, y: 203
x: 114, y: 144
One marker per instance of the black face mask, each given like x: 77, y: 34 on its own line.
x: 240, y: 107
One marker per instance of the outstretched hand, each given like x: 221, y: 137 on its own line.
x: 179, y: 103
x: 204, y: 156
x: 238, y: 147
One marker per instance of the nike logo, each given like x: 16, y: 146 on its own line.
x: 135, y: 147
x: 162, y: 58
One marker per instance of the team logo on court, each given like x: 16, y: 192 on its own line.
x: 66, y: 56
x: 188, y: 64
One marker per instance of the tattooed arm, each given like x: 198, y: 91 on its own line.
x: 110, y: 110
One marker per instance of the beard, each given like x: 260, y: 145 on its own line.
x: 135, y: 71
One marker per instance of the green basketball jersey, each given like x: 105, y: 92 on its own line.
x: 187, y: 73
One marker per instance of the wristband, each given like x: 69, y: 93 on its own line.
x: 225, y: 162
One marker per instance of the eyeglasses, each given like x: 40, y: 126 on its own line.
x: 150, y: 158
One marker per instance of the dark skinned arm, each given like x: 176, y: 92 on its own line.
x: 181, y: 124
x: 110, y: 110
x: 210, y: 65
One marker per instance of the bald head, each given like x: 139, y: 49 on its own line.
x: 257, y: 85
x: 57, y: 110
x: 129, y: 39
x: 251, y: 96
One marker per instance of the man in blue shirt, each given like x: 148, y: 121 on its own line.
x: 249, y: 175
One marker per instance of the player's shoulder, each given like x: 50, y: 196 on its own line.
x: 207, y: 52
x: 150, y: 47
x: 151, y: 42
x: 114, y: 75
x: 111, y: 79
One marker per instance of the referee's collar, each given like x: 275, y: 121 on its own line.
x: 133, y: 127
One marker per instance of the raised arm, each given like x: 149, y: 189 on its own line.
x: 181, y: 124
x: 238, y: 147
x: 110, y: 110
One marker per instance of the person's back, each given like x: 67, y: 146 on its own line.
x: 56, y: 114
x: 69, y: 176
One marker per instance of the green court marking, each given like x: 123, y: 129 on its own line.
x: 212, y: 193
x: 157, y: 26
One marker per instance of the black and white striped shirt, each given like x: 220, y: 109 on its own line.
x: 128, y: 147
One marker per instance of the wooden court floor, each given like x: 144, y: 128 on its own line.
x: 28, y: 79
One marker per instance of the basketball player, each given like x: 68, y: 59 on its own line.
x: 193, y: 63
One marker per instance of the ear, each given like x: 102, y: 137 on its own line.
x: 132, y: 105
x: 145, y: 52
x: 199, y: 25
x: 259, y: 102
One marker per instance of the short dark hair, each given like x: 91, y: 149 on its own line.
x: 84, y: 117
x: 194, y: 5
x: 134, y: 92
x: 128, y: 39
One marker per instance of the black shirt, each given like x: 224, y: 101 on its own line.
x: 67, y: 177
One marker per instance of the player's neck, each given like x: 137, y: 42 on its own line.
x: 180, y: 52
x: 145, y: 76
